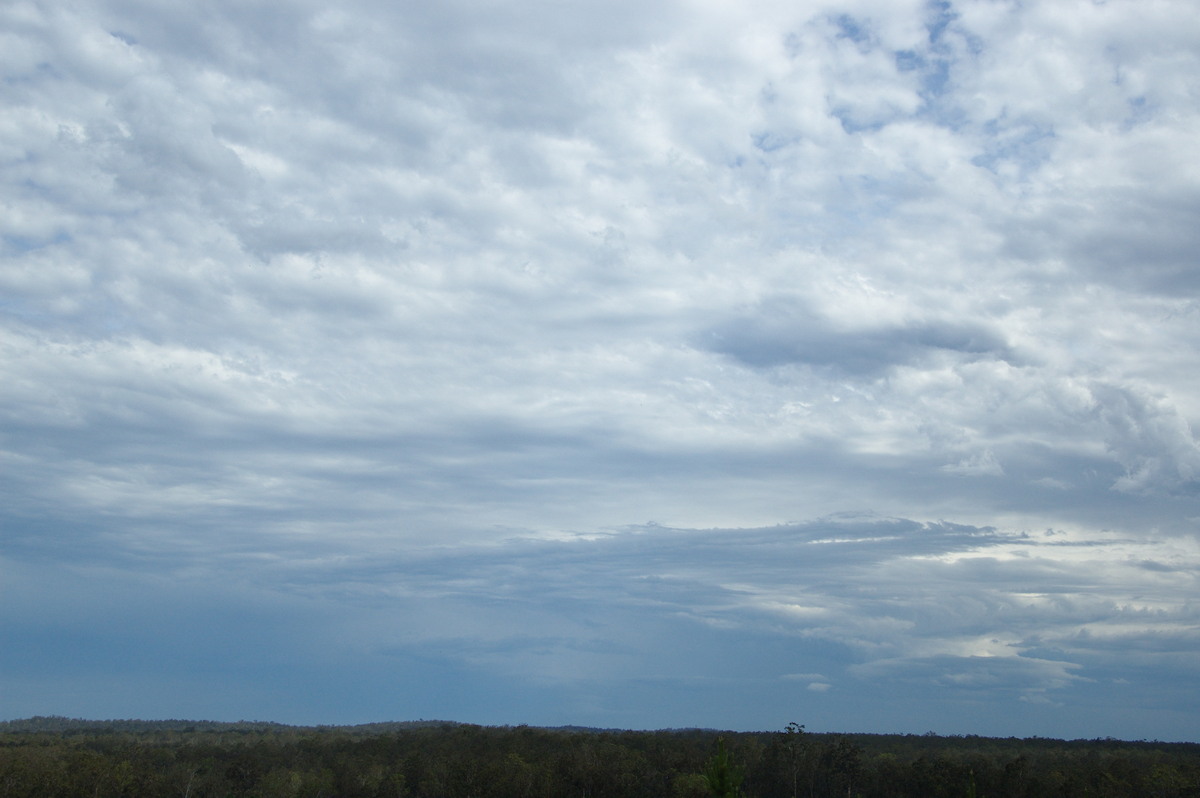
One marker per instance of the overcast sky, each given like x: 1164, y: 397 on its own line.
x: 609, y: 363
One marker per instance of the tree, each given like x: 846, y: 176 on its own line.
x: 723, y: 777
x: 841, y: 761
x: 796, y: 745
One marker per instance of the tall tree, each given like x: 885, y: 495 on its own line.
x: 724, y: 778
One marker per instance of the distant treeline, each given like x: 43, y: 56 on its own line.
x: 50, y: 757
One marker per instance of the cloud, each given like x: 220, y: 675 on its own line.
x: 409, y: 318
x: 980, y: 465
x: 774, y: 334
x: 1152, y: 441
x: 853, y: 604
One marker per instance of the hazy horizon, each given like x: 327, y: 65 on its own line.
x: 122, y: 724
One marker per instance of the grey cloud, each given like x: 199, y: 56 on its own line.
x: 356, y: 308
x: 1150, y: 439
x: 864, y: 601
x: 1152, y: 247
x: 1027, y: 675
x: 778, y: 333
x: 1140, y: 239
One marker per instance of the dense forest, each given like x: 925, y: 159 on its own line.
x: 47, y: 757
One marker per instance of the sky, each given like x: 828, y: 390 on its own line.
x: 630, y: 365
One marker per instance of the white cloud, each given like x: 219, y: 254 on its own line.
x: 300, y: 284
x: 983, y: 464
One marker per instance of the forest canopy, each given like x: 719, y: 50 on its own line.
x: 53, y: 756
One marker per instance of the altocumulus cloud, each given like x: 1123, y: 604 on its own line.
x: 694, y: 364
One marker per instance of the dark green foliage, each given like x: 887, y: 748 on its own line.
x: 721, y: 775
x: 48, y: 758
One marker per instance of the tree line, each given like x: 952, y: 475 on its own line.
x: 52, y: 757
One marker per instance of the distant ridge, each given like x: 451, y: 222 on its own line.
x: 57, y: 724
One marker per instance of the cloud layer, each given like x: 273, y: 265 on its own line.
x: 540, y: 353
